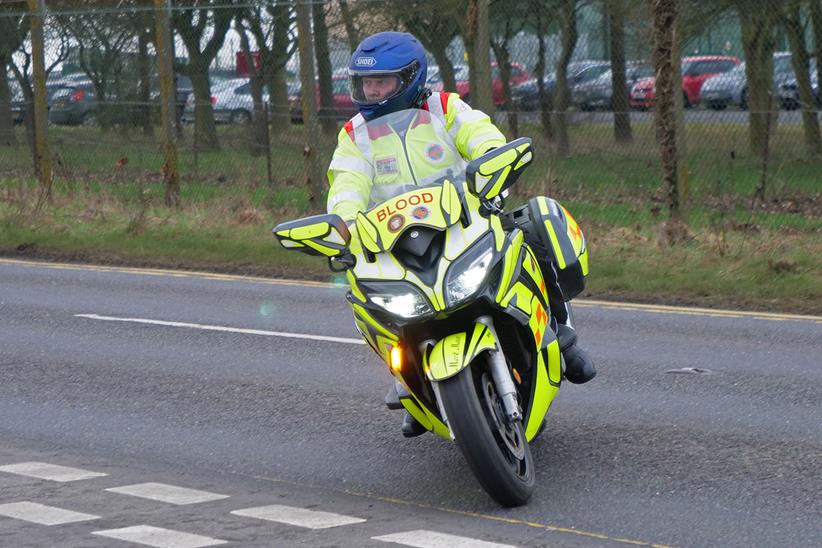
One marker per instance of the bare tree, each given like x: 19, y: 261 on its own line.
x: 324, y: 76
x: 664, y: 16
x: 568, y: 31
x: 271, y: 27
x: 799, y: 59
x: 507, y: 21
x: 202, y: 26
x: 350, y: 28
x: 259, y: 118
x: 316, y: 180
x: 759, y: 19
x: 14, y: 28
x: 615, y: 10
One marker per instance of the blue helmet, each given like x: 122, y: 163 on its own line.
x: 387, y: 73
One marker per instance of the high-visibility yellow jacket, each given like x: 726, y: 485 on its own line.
x: 373, y: 158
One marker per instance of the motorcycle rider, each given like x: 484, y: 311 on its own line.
x: 387, y: 74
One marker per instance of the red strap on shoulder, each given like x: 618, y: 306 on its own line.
x: 444, y: 101
x: 349, y: 128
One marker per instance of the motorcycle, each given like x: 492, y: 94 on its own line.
x: 448, y: 292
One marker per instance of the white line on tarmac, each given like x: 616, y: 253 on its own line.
x: 51, y: 472
x: 223, y: 328
x: 159, y: 537
x: 42, y: 514
x: 431, y: 539
x: 300, y: 517
x: 167, y: 493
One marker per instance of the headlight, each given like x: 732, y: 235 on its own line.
x: 398, y: 298
x: 466, y: 275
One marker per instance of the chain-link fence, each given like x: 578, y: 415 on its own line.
x: 578, y: 76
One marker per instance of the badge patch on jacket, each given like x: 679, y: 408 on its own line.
x: 387, y: 166
x: 435, y: 152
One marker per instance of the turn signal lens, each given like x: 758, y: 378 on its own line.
x: 396, y: 359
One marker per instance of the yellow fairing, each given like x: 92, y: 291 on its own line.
x: 375, y: 334
x: 547, y: 386
x: 379, y: 228
x: 453, y: 353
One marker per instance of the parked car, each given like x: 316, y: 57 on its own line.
x: 231, y: 100
x: 731, y: 88
x: 73, y: 105
x: 525, y: 96
x: 18, y: 102
x: 341, y: 96
x: 695, y: 71
x: 518, y: 75
x: 788, y: 91
x: 599, y: 92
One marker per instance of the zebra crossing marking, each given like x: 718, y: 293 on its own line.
x: 310, y: 519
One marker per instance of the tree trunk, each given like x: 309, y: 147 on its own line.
x: 759, y: 41
x: 569, y: 42
x: 816, y: 22
x: 328, y: 121
x: 165, y: 69
x: 316, y: 179
x: 275, y: 68
x: 259, y: 120
x: 504, y: 67
x: 482, y: 95
x: 664, y: 16
x: 469, y: 39
x: 799, y: 61
x: 6, y: 122
x: 143, y: 38
x: 350, y: 30
x: 619, y: 97
x: 546, y: 102
x: 42, y: 156
x: 206, y: 129
x: 438, y: 50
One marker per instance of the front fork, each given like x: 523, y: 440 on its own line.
x: 502, y: 377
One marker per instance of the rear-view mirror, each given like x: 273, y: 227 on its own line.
x: 497, y: 170
x: 323, y: 235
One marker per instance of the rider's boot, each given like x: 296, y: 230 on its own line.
x: 410, y: 426
x: 579, y: 367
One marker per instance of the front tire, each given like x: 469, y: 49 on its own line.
x: 496, y: 451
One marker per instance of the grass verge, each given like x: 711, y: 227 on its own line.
x: 735, y: 260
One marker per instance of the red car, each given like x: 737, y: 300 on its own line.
x: 343, y: 105
x: 695, y: 70
x: 518, y: 76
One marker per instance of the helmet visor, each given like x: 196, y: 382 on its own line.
x: 375, y: 87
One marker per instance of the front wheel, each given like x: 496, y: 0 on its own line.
x: 496, y: 450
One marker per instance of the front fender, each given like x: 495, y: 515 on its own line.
x: 453, y: 353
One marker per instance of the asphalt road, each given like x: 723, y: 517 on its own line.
x: 644, y: 454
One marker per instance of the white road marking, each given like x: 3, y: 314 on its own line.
x: 44, y: 515
x: 222, y: 328
x: 167, y: 493
x: 431, y: 539
x: 310, y: 519
x: 158, y: 537
x: 51, y: 472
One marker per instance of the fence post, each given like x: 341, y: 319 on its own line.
x: 42, y: 157
x: 316, y: 179
x: 168, y: 100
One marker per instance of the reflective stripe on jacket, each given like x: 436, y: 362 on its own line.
x: 366, y: 156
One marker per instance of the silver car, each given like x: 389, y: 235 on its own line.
x: 731, y: 88
x: 599, y: 93
x: 231, y: 101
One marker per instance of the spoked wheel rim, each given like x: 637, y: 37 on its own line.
x: 510, y: 437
